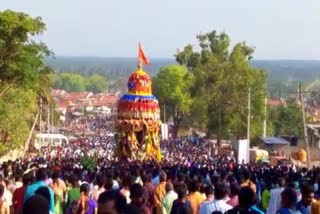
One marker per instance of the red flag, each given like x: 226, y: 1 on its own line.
x: 142, y: 56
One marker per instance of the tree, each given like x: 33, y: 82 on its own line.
x: 285, y: 120
x: 77, y: 83
x: 70, y: 82
x: 172, y: 87
x: 222, y: 80
x: 96, y: 83
x: 21, y: 59
x: 315, y: 96
x: 23, y: 77
x: 17, y: 110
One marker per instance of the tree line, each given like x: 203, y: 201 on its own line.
x: 75, y: 82
x: 283, y: 75
x: 111, y: 67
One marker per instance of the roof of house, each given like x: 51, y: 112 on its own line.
x: 64, y: 98
x: 105, y: 100
x: 274, y: 102
x: 76, y: 96
x: 63, y: 104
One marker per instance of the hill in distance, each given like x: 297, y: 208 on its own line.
x: 284, y: 75
x: 113, y: 68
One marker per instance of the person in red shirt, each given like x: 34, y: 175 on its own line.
x: 18, y: 195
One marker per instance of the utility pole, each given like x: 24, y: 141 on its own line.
x: 249, y: 123
x: 40, y: 120
x: 164, y: 113
x: 265, y: 118
x: 52, y: 119
x: 48, y: 119
x: 48, y: 124
x: 27, y: 143
x: 304, y: 126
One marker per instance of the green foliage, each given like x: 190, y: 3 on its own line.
x: 21, y: 59
x: 222, y: 80
x: 172, y: 87
x: 78, y: 83
x: 88, y: 162
x: 283, y: 75
x: 23, y: 77
x: 96, y: 83
x: 285, y: 120
x: 112, y: 68
x: 17, y: 109
x: 69, y: 82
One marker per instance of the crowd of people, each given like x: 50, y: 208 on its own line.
x: 90, y: 123
x: 60, y: 186
x: 192, y: 178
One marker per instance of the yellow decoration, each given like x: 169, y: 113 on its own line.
x: 140, y: 93
x: 159, y: 155
x: 149, y: 142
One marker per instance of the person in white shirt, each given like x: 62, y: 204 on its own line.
x: 219, y: 203
x: 275, y: 197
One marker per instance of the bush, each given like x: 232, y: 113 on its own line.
x: 89, y: 162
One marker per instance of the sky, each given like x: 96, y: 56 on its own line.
x: 278, y: 29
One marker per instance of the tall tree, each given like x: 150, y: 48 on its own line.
x: 21, y: 58
x: 23, y: 76
x: 172, y: 87
x: 222, y: 79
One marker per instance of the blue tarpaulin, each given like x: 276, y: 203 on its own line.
x: 274, y: 141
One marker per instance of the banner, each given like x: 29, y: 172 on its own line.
x: 242, y: 149
x: 164, y: 131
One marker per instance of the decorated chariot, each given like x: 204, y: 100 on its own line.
x: 138, y: 118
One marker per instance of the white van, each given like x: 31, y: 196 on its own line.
x: 45, y: 140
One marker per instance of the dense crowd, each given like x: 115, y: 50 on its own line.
x: 220, y: 185
x: 90, y: 122
x: 193, y: 178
